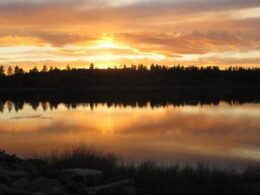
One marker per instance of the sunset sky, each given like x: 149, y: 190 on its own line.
x: 117, y: 32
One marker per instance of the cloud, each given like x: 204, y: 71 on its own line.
x: 168, y: 30
x: 80, y: 11
x: 61, y: 39
x: 192, y: 43
x: 39, y: 116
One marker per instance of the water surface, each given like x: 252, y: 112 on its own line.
x: 221, y: 135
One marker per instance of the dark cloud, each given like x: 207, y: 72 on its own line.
x: 69, y: 12
x: 39, y: 116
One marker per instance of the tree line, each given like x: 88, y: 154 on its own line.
x: 134, y: 76
x: 9, y: 71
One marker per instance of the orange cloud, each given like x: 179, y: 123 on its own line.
x: 188, y: 32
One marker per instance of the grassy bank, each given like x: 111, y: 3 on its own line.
x: 152, y: 178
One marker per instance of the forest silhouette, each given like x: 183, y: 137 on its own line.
x: 72, y: 99
x: 133, y: 77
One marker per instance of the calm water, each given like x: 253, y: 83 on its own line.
x: 221, y: 135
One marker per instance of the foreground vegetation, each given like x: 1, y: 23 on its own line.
x: 152, y: 178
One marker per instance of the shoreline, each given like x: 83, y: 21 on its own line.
x: 82, y: 170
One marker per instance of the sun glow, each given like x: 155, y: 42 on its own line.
x: 107, y: 42
x: 107, y: 49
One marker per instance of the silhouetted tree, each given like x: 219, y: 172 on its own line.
x: 18, y: 70
x: 141, y: 67
x: 44, y: 106
x: 51, y: 69
x: 18, y: 105
x: 152, y: 67
x: 10, y: 71
x: 2, y: 70
x: 44, y: 68
x: 35, y: 104
x: 91, y: 66
x: 56, y: 69
x: 34, y: 70
x: 68, y: 67
x: 133, y: 67
x: 10, y: 106
x: 2, y: 106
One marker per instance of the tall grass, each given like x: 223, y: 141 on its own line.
x: 160, y: 180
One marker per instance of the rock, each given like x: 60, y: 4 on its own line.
x: 128, y: 191
x: 107, y: 188
x: 10, y: 159
x: 87, y: 176
x: 27, y: 166
x: 7, y: 190
x: 4, y: 179
x: 39, y: 193
x: 16, y: 191
x: 54, y: 182
x: 13, y: 174
x: 32, y: 177
x: 12, y: 163
x: 75, y: 185
x: 40, y: 164
x: 58, y: 190
x: 22, y: 183
x: 41, y: 184
x: 52, y: 173
x: 44, y: 184
x: 4, y: 189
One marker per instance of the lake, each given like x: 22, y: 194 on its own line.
x: 221, y: 134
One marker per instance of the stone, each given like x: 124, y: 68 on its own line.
x: 5, y: 189
x: 32, y: 177
x: 54, y: 182
x: 22, y: 183
x: 39, y: 193
x: 112, y: 187
x: 52, y: 173
x: 128, y: 191
x: 58, y: 190
x: 13, y: 174
x: 40, y: 164
x: 41, y: 184
x: 17, y: 191
x: 26, y: 166
x: 75, y: 185
x: 11, y: 159
x: 4, y: 179
x: 87, y: 176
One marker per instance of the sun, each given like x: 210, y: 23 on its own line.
x: 107, y: 42
x: 107, y: 48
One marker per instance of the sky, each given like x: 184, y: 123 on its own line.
x: 116, y: 32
